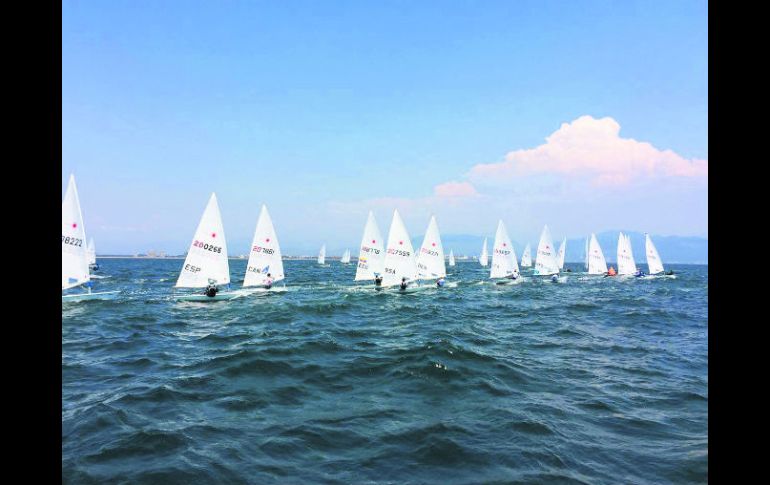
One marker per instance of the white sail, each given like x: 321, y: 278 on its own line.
x: 596, y: 262
x: 345, y: 257
x: 503, y: 254
x: 322, y: 255
x: 430, y: 259
x: 654, y: 264
x: 400, y: 260
x: 207, y: 257
x: 91, y: 252
x: 545, y: 260
x: 626, y: 264
x: 483, y: 259
x: 265, y: 254
x: 588, y: 251
x: 371, y: 256
x: 74, y: 257
x: 526, y: 257
x: 451, y: 258
x: 560, y: 254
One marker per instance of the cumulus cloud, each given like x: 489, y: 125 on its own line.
x: 590, y: 147
x: 455, y: 189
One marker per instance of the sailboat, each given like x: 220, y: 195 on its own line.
x: 430, y: 259
x: 596, y: 264
x: 264, y: 257
x: 560, y: 254
x: 654, y: 264
x: 504, y: 265
x: 483, y: 258
x: 587, y: 251
x: 206, y: 262
x: 74, y: 255
x: 451, y: 258
x: 322, y: 255
x: 371, y: 254
x: 545, y: 261
x: 626, y: 263
x: 526, y: 257
x: 345, y: 257
x: 92, y: 265
x: 400, y: 261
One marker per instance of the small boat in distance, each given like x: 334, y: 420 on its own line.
x: 626, y: 263
x: 483, y: 258
x: 322, y: 255
x: 561, y: 253
x: 345, y: 259
x: 596, y: 264
x: 526, y: 257
x: 451, y: 258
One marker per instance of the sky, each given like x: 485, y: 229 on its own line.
x: 586, y: 116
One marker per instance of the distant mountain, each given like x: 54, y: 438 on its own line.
x: 672, y: 249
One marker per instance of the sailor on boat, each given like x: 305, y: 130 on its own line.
x: 555, y: 278
x: 211, y: 289
x: 377, y: 280
x: 611, y: 272
x: 639, y: 273
x: 440, y: 282
x: 404, y: 284
x: 268, y: 282
x: 669, y: 272
x: 513, y: 275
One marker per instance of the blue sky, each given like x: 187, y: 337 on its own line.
x: 325, y: 110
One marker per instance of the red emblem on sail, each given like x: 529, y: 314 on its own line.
x: 213, y: 234
x: 74, y: 225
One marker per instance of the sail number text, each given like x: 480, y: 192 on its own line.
x: 207, y: 247
x: 72, y: 240
x: 260, y: 249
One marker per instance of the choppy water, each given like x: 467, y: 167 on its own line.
x: 587, y: 381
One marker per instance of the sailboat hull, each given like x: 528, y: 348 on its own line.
x: 223, y: 296
x: 97, y: 295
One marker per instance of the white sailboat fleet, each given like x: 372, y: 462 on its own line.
x: 74, y: 253
x: 393, y: 265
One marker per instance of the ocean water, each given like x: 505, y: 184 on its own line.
x: 590, y: 380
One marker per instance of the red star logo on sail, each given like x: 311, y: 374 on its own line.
x: 267, y: 240
x: 213, y: 234
x: 401, y: 242
x: 433, y: 244
x: 373, y: 241
x: 74, y: 225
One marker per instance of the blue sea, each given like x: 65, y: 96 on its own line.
x: 590, y: 380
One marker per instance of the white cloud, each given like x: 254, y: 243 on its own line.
x: 592, y: 148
